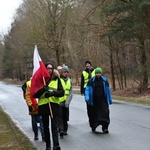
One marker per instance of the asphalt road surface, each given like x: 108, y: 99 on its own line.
x: 129, y: 127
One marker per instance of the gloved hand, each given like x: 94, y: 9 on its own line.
x: 49, y: 94
x: 45, y: 88
x: 91, y: 69
x: 30, y: 108
x: 62, y: 104
x: 41, y: 91
x: 86, y: 101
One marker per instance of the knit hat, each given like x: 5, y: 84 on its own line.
x: 98, y: 70
x: 64, y: 68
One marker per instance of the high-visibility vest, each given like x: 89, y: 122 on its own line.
x: 53, y: 86
x: 27, y: 93
x: 30, y: 101
x: 66, y: 87
x: 28, y: 83
x: 86, y: 76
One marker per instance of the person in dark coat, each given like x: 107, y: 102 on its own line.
x: 48, y: 105
x: 98, y: 98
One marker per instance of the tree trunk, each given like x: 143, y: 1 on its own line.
x: 144, y: 73
x: 112, y: 66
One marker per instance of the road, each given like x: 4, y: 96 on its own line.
x: 129, y: 128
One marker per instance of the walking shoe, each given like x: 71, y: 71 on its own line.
x: 36, y: 136
x: 61, y: 135
x: 48, y: 148
x: 56, y: 148
x: 65, y: 133
x: 93, y: 129
x: 105, y: 131
x: 43, y: 137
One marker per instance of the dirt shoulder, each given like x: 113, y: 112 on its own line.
x: 10, y: 135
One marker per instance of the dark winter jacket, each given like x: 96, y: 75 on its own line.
x: 44, y: 109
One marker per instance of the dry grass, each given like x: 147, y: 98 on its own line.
x: 10, y: 135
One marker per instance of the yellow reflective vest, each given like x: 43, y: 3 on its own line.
x: 53, y: 86
x: 27, y: 93
x: 28, y: 99
x: 86, y: 76
x: 66, y: 87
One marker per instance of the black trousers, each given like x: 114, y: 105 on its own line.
x: 63, y: 118
x: 54, y: 126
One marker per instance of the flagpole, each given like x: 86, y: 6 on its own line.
x: 40, y: 75
x: 50, y: 108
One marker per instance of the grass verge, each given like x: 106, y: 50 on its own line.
x: 132, y: 100
x: 10, y: 135
x: 126, y: 99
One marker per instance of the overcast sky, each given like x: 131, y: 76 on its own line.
x: 7, y: 11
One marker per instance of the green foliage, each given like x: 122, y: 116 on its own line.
x: 131, y: 25
x: 131, y: 22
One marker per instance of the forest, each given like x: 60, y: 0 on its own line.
x: 112, y: 34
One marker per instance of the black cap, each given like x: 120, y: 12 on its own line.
x: 88, y: 62
x: 49, y: 63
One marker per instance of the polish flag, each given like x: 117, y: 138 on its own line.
x: 40, y: 74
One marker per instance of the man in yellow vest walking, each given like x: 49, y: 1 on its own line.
x: 65, y: 100
x: 87, y: 74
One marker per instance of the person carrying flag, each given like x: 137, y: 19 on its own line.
x: 48, y: 105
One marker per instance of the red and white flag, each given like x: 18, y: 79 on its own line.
x: 40, y: 74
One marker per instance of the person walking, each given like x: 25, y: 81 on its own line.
x: 65, y: 100
x: 33, y: 111
x: 98, y: 98
x: 86, y: 75
x: 48, y: 105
